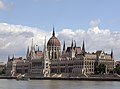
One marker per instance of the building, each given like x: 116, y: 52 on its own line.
x: 71, y: 61
x: 2, y: 67
x: 35, y: 58
x: 16, y: 66
x: 117, y: 63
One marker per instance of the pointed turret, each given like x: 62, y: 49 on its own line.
x: 13, y: 57
x: 32, y: 51
x: 83, y: 48
x: 32, y: 45
x: 64, y: 46
x: 46, y: 70
x: 45, y: 48
x: 34, y: 48
x: 72, y: 52
x: 111, y: 53
x: 72, y: 44
x: 8, y: 58
x: 27, y: 55
x: 63, y: 52
x: 28, y: 50
x: 38, y: 48
x: 53, y: 34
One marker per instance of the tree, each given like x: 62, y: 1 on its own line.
x: 117, y: 69
x: 100, y: 69
x: 96, y: 71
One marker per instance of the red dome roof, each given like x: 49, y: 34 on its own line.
x: 53, y: 41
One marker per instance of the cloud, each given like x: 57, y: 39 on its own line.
x: 95, y: 39
x: 14, y: 39
x: 94, y: 23
x: 4, y: 5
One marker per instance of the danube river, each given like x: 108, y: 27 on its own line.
x: 58, y: 84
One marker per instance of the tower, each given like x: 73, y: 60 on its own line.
x: 111, y: 53
x: 63, y: 52
x: 72, y: 44
x: 32, y: 51
x: 83, y: 49
x: 46, y: 70
x: 8, y: 58
x: 54, y: 47
x: 75, y: 44
x: 72, y: 51
x: 13, y: 57
x: 27, y: 55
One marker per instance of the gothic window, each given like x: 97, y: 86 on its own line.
x: 52, y: 55
x: 26, y: 70
x: 55, y: 55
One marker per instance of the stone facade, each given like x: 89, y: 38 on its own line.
x: 2, y: 67
x: 16, y: 66
x: 72, y: 61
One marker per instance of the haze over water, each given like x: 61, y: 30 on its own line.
x: 58, y: 84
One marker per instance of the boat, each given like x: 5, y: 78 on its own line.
x: 22, y: 77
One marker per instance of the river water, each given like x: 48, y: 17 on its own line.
x: 58, y: 84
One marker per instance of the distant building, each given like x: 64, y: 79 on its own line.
x: 71, y: 61
x: 2, y: 67
x: 117, y: 63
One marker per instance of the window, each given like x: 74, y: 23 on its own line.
x: 26, y: 70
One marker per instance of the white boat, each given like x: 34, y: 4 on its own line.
x: 22, y: 77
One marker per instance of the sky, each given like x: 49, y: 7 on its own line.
x: 97, y: 22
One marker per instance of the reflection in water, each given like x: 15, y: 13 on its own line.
x: 58, y: 84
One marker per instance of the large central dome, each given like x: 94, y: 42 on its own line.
x: 53, y: 41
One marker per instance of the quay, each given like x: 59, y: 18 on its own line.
x: 70, y: 78
x: 79, y: 78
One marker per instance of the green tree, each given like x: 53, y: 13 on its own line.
x: 100, y: 69
x: 96, y: 71
x: 117, y: 69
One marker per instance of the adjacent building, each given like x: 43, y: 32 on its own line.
x: 2, y: 67
x: 16, y: 66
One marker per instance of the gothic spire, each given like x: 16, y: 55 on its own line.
x: 53, y: 34
x: 32, y: 47
x: 13, y: 57
x: 8, y: 57
x: 45, y: 44
x: 83, y: 49
x: 75, y: 44
x: 64, y: 46
x: 28, y: 50
x: 111, y: 53
x: 83, y: 46
x: 45, y: 49
x: 38, y: 48
x: 72, y: 44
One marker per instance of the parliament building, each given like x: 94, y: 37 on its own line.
x: 71, y: 61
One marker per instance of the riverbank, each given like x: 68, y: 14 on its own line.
x: 72, y: 78
x: 80, y: 78
x: 7, y: 77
